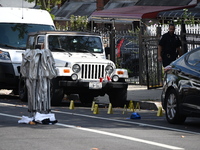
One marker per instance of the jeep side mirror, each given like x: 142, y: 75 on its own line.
x: 38, y: 46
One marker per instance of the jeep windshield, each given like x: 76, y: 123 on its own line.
x: 69, y: 43
x: 14, y: 35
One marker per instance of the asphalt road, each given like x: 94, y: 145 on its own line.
x: 80, y: 129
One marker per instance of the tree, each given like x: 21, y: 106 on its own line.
x: 46, y: 4
x: 78, y: 23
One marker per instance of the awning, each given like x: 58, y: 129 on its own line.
x: 85, y: 8
x: 163, y: 3
x: 76, y: 9
x: 173, y: 14
x: 132, y: 13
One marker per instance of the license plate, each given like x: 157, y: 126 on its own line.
x: 95, y: 85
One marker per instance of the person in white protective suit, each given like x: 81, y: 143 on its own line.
x: 38, y: 68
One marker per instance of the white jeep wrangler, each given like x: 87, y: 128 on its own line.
x: 82, y: 67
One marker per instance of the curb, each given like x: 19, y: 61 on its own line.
x: 149, y: 99
x: 150, y: 105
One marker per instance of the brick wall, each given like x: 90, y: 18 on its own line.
x: 101, y: 4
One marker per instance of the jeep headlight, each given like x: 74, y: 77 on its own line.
x: 74, y: 76
x: 76, y: 68
x: 109, y: 69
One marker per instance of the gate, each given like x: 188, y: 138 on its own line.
x: 150, y: 71
x: 126, y: 51
x: 138, y: 54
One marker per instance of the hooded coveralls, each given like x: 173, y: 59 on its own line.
x: 38, y: 68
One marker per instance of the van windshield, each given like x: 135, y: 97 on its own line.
x: 14, y: 35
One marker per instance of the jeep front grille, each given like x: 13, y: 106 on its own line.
x: 92, y: 71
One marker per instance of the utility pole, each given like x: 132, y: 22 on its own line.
x: 112, y: 42
x: 112, y: 45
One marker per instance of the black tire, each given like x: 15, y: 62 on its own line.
x: 172, y: 113
x: 23, y: 93
x: 118, y: 97
x: 86, y: 98
x: 57, y: 93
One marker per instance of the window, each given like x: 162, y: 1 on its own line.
x: 30, y: 44
x: 15, y: 34
x: 194, y: 58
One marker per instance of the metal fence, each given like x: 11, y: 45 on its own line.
x: 137, y: 52
x: 192, y: 34
x: 126, y: 46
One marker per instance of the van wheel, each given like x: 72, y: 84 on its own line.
x: 15, y: 91
x: 23, y: 94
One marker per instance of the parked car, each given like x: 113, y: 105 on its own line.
x: 128, y: 52
x: 181, y: 91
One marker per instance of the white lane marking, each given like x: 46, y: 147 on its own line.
x: 13, y: 116
x: 123, y: 137
x: 128, y: 122
x: 110, y: 134
x: 121, y: 121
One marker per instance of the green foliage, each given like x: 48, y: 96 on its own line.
x: 78, y: 23
x: 186, y: 18
x: 45, y: 4
x: 136, y: 31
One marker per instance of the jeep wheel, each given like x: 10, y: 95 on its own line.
x: 86, y: 98
x: 57, y: 93
x: 118, y: 97
x: 172, y: 111
x: 23, y: 94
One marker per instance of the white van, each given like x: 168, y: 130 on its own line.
x: 15, y: 24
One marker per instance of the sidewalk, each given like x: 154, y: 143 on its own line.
x: 147, y: 98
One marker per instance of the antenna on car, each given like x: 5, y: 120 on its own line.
x: 22, y: 9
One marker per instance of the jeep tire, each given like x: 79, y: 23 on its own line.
x: 86, y: 98
x: 118, y: 97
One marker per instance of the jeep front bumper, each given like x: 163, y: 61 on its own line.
x: 93, y: 85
